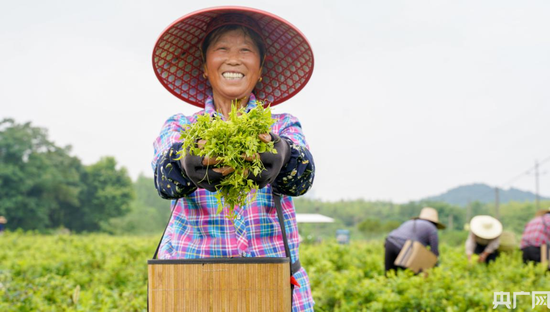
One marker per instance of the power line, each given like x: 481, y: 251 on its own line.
x: 512, y: 180
x: 545, y: 160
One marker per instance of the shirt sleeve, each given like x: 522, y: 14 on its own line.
x: 546, y: 228
x: 493, y: 245
x: 470, y: 245
x: 296, y: 177
x: 434, y: 243
x: 170, y: 180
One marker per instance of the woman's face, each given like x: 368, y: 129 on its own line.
x: 232, y: 66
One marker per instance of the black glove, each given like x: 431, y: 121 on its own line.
x: 202, y: 172
x: 273, y: 163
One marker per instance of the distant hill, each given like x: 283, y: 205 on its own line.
x: 483, y: 193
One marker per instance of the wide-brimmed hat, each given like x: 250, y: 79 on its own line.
x: 486, y: 227
x: 542, y: 212
x: 178, y: 60
x: 430, y: 214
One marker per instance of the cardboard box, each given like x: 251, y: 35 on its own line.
x: 415, y: 257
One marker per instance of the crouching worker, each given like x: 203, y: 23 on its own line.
x: 484, y: 238
x: 422, y: 229
x: 535, y: 236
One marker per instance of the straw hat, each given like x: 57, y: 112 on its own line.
x: 486, y: 227
x: 542, y: 212
x: 430, y: 214
x: 178, y: 60
x: 3, y: 220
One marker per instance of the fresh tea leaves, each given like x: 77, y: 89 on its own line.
x: 230, y: 142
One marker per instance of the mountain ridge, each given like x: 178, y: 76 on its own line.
x: 483, y: 193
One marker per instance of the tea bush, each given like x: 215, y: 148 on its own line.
x: 108, y: 273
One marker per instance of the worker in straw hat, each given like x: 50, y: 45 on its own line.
x: 422, y: 228
x: 209, y: 59
x: 484, y: 238
x: 535, y: 235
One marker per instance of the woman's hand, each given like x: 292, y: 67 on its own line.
x: 200, y: 171
x: 273, y: 162
x: 482, y: 257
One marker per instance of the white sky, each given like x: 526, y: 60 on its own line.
x: 408, y: 98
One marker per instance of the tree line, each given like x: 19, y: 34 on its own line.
x: 375, y: 219
x: 43, y: 187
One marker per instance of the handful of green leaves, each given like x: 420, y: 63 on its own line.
x: 233, y: 143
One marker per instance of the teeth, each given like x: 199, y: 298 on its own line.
x: 232, y: 75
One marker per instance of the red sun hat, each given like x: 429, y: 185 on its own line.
x: 178, y: 61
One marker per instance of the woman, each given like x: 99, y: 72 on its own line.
x: 535, y: 235
x: 422, y: 229
x: 210, y: 58
x: 484, y: 238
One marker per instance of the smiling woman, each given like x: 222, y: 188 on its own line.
x: 213, y: 59
x: 232, y: 66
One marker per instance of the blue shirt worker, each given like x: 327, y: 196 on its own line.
x: 422, y: 229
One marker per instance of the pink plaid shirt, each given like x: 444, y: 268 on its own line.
x: 196, y: 230
x: 535, y: 233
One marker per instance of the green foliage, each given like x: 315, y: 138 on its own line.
x: 370, y: 226
x: 43, y: 187
x: 228, y: 141
x: 351, y: 278
x: 73, y: 273
x: 39, y: 182
x: 108, y: 194
x: 104, y: 273
x: 515, y: 215
x: 370, y: 220
x: 453, y: 237
x: 148, y: 212
x: 374, y: 226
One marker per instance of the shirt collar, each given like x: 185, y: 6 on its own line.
x: 210, y: 109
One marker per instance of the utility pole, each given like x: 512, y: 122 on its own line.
x: 537, y: 184
x: 469, y: 211
x: 497, y: 215
x: 450, y: 222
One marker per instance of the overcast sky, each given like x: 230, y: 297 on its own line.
x: 408, y: 98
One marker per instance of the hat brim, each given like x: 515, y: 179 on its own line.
x: 178, y: 63
x: 439, y: 225
x: 476, y: 226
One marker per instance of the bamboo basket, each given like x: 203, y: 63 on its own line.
x: 220, y: 284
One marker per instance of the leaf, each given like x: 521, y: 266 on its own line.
x: 228, y: 141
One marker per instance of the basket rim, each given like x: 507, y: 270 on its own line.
x: 237, y: 260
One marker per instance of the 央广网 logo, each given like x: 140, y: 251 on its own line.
x: 538, y: 298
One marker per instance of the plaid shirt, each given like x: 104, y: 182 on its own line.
x: 535, y: 233
x: 196, y: 230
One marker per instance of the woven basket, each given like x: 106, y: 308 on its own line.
x: 220, y: 284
